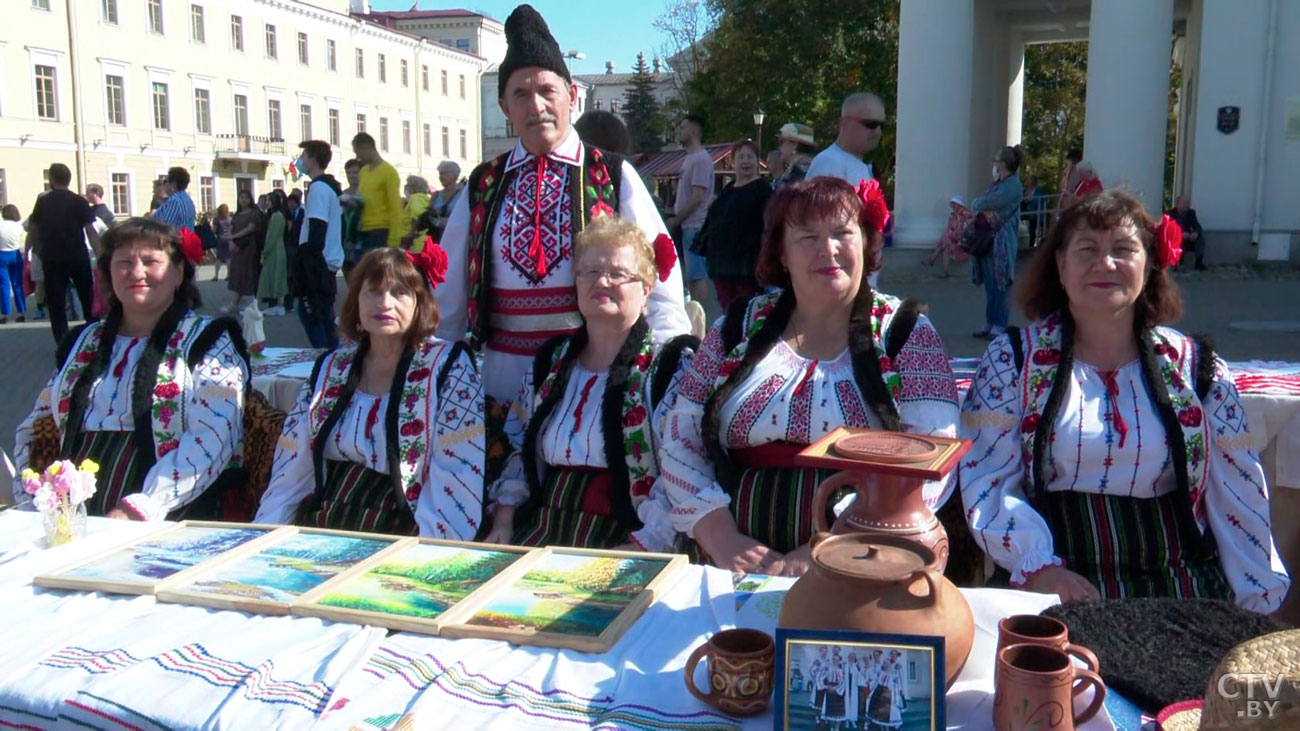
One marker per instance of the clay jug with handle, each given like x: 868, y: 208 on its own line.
x: 886, y: 505
x: 877, y: 583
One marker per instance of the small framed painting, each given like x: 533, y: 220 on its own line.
x: 833, y: 679
x: 574, y: 598
x: 269, y: 580
x: 149, y: 562
x: 412, y: 586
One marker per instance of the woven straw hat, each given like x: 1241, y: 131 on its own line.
x: 798, y: 132
x: 1256, y: 686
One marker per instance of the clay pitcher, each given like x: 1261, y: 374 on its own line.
x: 877, y: 583
x: 1035, y: 689
x: 887, y: 505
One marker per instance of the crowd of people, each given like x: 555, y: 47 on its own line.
x: 581, y: 410
x: 856, y: 688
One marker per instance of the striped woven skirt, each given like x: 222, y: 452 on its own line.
x: 773, y: 505
x: 121, y: 473
x: 357, y: 498
x: 574, y: 509
x: 1129, y: 547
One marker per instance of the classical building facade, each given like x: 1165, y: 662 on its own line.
x: 1238, y: 109
x: 121, y: 90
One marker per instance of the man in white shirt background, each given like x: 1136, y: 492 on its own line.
x: 862, y: 119
x: 320, y: 247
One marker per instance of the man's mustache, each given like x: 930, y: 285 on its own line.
x: 543, y: 118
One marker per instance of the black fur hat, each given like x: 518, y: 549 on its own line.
x: 529, y: 43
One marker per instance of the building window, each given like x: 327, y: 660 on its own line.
x: 302, y: 49
x: 331, y: 56
x: 446, y: 142
x: 108, y: 11
x: 464, y: 146
x: 361, y: 64
x: 161, y: 110
x: 383, y: 134
x: 270, y: 42
x: 155, y: 17
x: 613, y: 106
x: 462, y: 86
x: 304, y: 120
x: 428, y: 139
x: 244, y: 184
x: 41, y: 4
x: 383, y: 69
x: 273, y: 129
x: 237, y: 33
x: 277, y: 184
x: 405, y: 83
x: 203, y: 111
x: 198, y: 33
x: 336, y: 134
x: 207, y: 192
x: 119, y: 187
x: 444, y: 83
x: 116, y: 95
x: 424, y: 77
x: 361, y: 123
x: 462, y: 44
x: 241, y: 115
x: 45, y: 180
x: 406, y: 137
x: 598, y: 103
x: 510, y: 128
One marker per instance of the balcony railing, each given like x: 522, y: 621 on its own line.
x: 252, y: 145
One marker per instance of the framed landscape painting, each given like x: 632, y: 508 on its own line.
x: 412, y: 587
x: 568, y: 597
x: 149, y: 562
x: 269, y: 580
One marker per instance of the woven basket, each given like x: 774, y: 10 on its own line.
x: 1230, y: 703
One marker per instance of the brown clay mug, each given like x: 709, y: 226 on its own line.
x: 1036, y: 686
x: 742, y: 663
x: 1035, y: 629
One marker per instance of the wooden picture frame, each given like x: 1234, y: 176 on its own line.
x: 820, y: 454
x: 468, y: 618
x: 79, y: 575
x: 313, y: 603
x: 255, y: 591
x: 801, y: 702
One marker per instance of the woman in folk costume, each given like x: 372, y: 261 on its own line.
x: 862, y: 675
x: 782, y: 370
x: 585, y: 425
x: 154, y: 393
x: 834, y: 710
x: 886, y: 707
x: 1111, y: 453
x: 387, y: 436
x: 817, y: 681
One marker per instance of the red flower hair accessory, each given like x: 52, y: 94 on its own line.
x: 874, y: 201
x: 665, y: 256
x: 191, y: 246
x: 431, y: 261
x: 1169, y: 242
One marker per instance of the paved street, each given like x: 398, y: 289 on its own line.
x: 1264, y: 302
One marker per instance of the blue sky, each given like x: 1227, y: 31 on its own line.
x: 608, y: 30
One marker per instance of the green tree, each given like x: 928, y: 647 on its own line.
x: 641, y: 111
x: 797, y: 60
x: 1056, y: 80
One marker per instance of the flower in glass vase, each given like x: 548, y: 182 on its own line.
x: 60, y: 493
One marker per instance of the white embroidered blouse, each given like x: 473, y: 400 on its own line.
x: 1110, y: 444
x: 214, y: 426
x: 794, y: 399
x: 455, y: 458
x: 573, y: 437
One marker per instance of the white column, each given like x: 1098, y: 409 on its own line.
x: 1128, y: 94
x: 935, y: 54
x: 1016, y: 91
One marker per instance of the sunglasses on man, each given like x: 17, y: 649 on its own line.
x: 871, y: 124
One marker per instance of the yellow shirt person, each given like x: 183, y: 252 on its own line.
x: 380, y: 190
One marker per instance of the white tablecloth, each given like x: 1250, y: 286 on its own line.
x: 69, y: 658
x: 280, y: 372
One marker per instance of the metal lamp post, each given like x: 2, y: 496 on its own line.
x: 758, y: 122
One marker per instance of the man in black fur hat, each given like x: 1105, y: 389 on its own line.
x: 510, y: 240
